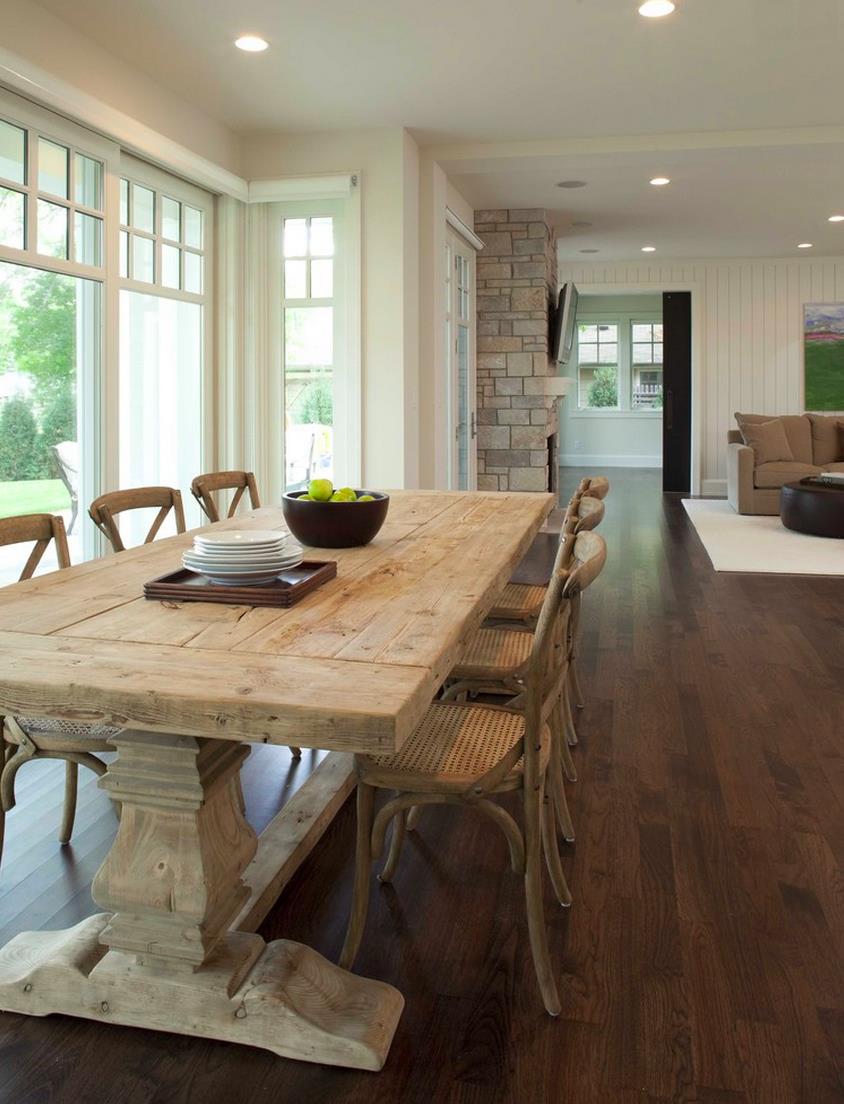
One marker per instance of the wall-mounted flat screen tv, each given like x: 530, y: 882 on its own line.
x: 562, y: 336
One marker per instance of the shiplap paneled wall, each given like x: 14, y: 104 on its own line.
x: 751, y: 339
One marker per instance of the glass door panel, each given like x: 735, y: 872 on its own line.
x: 50, y: 342
x: 160, y: 401
x: 309, y: 343
x: 460, y: 360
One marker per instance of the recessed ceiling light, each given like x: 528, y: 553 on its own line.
x: 649, y: 249
x: 661, y: 181
x: 581, y: 224
x: 572, y: 184
x: 805, y: 245
x: 655, y: 9
x: 590, y: 251
x: 836, y: 218
x: 252, y: 44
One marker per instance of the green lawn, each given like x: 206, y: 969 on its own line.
x: 33, y: 496
x: 824, y: 375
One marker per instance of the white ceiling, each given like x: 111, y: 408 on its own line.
x: 755, y: 202
x: 486, y: 69
x: 496, y: 71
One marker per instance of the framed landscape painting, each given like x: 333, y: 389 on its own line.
x: 823, y: 355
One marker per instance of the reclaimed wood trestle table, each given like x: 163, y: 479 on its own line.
x: 187, y: 882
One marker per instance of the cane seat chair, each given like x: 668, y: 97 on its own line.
x: 27, y: 738
x: 521, y: 602
x: 465, y: 754
x: 204, y: 487
x: 104, y: 510
x: 496, y: 660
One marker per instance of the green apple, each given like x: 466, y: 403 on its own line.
x: 341, y: 496
x: 350, y: 493
x: 305, y: 498
x: 320, y: 490
x: 366, y: 498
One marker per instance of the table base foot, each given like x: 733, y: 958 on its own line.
x: 281, y: 996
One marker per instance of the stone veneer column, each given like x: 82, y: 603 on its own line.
x: 517, y: 283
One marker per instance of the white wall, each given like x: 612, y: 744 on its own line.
x: 748, y: 348
x: 386, y: 161
x: 623, y: 438
x: 48, y: 42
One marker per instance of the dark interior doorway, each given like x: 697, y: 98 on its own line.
x: 677, y: 391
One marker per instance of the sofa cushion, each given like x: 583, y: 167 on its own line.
x: 778, y: 472
x: 826, y: 439
x: 838, y: 466
x: 798, y: 430
x: 768, y: 441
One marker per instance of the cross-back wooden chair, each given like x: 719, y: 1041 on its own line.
x: 28, y: 738
x: 521, y: 602
x: 496, y: 660
x: 467, y: 754
x: 204, y: 487
x: 598, y: 486
x: 104, y: 510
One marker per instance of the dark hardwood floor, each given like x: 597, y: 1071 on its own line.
x: 703, y: 959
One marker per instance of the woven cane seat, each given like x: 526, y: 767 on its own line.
x: 452, y: 746
x: 494, y: 654
x: 519, y: 602
x: 52, y: 734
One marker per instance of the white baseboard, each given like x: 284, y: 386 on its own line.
x: 714, y: 488
x: 602, y: 460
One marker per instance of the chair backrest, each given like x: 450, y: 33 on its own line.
x: 40, y: 529
x: 587, y: 562
x: 104, y: 509
x: 205, y: 486
x: 590, y: 513
x: 599, y: 486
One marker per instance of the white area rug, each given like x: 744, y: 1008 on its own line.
x: 736, y: 542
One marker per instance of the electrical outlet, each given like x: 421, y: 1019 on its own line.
x: 577, y: 446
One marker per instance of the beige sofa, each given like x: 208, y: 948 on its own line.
x: 817, y: 444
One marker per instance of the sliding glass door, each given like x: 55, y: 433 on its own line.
x: 52, y: 273
x: 164, y: 274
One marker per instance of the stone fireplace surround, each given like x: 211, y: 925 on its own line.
x: 516, y: 287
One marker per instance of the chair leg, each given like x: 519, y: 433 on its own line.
x: 552, y: 853
x: 71, y: 785
x: 413, y: 817
x: 363, y: 870
x: 296, y: 752
x: 561, y: 743
x: 571, y: 731
x: 574, y: 686
x: 534, y: 902
x: 396, y: 841
x: 558, y: 794
x: 5, y: 753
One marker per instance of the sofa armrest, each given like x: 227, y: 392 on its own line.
x: 741, y: 464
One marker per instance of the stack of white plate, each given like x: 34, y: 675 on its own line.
x: 242, y: 558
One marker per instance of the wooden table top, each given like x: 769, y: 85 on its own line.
x: 352, y: 667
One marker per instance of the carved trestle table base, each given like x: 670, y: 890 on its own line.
x: 163, y: 957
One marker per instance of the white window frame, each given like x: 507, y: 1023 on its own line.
x: 99, y: 390
x: 165, y: 184
x: 346, y: 373
x: 624, y: 320
x: 101, y: 414
x: 456, y: 246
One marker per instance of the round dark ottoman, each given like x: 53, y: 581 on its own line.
x: 815, y: 508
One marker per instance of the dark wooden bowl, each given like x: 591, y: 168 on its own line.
x: 334, y: 524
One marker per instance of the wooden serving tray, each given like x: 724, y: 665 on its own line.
x: 290, y: 587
